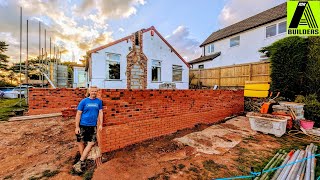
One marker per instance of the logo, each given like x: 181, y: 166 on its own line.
x: 303, y: 18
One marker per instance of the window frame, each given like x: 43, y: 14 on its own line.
x: 108, y: 66
x: 210, y: 48
x: 157, y: 66
x: 285, y: 25
x: 179, y: 70
x: 230, y: 44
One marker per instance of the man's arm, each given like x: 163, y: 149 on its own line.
x: 100, y: 119
x: 78, y: 116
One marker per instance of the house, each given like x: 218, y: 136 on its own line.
x: 143, y: 60
x: 240, y: 42
x: 79, y: 77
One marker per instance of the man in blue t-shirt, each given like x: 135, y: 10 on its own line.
x: 89, y: 114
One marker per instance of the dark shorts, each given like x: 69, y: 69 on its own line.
x: 87, y: 134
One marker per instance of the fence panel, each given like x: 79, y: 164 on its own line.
x: 231, y: 76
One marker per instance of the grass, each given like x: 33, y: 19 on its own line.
x: 45, y: 174
x: 7, y: 106
x: 212, y: 166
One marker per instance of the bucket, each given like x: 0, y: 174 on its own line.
x: 306, y: 124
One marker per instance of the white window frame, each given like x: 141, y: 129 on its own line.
x: 285, y: 25
x: 234, y: 39
x: 210, y: 48
x: 113, y: 61
x: 156, y: 66
x: 271, y: 26
x: 277, y: 29
x: 178, y: 69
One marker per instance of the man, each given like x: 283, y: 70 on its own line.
x: 89, y: 114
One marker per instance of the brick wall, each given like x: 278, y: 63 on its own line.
x: 43, y: 101
x: 132, y: 116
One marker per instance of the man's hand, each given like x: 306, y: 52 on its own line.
x: 100, y: 127
x: 77, y: 131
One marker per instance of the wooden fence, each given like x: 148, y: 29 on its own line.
x: 231, y: 76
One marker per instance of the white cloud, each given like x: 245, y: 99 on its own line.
x: 78, y: 30
x: 186, y: 46
x: 237, y: 10
x: 110, y: 8
x: 121, y: 29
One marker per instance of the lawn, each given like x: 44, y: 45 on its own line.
x: 7, y: 106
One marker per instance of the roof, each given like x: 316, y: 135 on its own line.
x: 262, y: 18
x: 205, y: 58
x: 128, y: 37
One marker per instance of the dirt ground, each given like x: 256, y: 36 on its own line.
x: 45, y: 148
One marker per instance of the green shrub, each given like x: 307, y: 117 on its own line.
x: 311, y: 108
x: 288, y: 65
x: 312, y: 83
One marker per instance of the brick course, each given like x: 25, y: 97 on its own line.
x: 44, y: 101
x: 132, y: 116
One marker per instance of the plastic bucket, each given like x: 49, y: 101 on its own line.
x: 306, y: 124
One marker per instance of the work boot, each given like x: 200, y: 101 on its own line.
x: 77, y: 167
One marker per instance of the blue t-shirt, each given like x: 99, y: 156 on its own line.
x: 90, y: 111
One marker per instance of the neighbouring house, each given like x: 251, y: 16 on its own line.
x: 240, y: 42
x: 143, y: 60
x: 79, y: 77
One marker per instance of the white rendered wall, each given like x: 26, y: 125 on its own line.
x: 250, y: 43
x: 99, y: 66
x: 155, y: 48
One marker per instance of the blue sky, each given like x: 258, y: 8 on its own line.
x: 77, y: 26
x: 200, y: 18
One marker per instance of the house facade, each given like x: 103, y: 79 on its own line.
x: 143, y: 60
x: 240, y: 43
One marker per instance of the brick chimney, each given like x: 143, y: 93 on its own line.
x: 137, y: 64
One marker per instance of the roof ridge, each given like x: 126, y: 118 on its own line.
x: 227, y: 31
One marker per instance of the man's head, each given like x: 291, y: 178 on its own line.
x: 93, y: 91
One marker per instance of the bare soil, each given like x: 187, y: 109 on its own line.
x: 45, y: 148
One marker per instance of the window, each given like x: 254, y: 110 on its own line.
x: 210, y: 48
x: 282, y: 27
x: 271, y: 30
x: 276, y: 29
x: 176, y: 73
x: 201, y: 66
x: 113, y: 66
x: 235, y: 41
x: 156, y: 70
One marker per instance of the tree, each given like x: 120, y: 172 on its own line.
x: 3, y: 58
x: 12, y: 76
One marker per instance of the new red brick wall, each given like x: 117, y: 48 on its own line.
x: 132, y: 116
x: 44, y: 101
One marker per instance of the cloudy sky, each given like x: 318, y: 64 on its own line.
x: 76, y: 26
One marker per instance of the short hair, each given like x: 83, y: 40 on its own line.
x: 93, y: 87
x: 88, y: 90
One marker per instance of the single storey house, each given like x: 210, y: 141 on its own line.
x: 143, y: 60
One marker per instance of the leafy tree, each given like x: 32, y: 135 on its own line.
x: 3, y: 58
x: 12, y: 76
